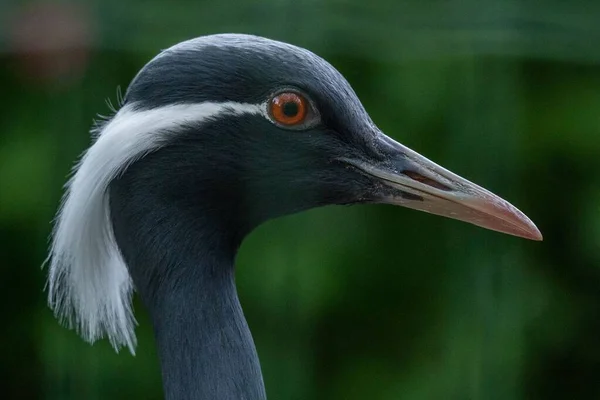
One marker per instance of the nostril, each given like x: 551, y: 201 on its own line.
x: 426, y: 181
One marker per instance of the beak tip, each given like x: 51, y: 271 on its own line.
x: 527, y: 229
x: 536, y: 235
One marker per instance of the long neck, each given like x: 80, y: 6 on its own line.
x: 181, y: 262
x: 205, y: 347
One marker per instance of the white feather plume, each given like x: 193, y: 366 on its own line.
x: 89, y: 286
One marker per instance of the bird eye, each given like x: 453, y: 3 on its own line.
x: 289, y: 109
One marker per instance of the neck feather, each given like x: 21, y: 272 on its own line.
x: 205, y: 347
x: 181, y: 262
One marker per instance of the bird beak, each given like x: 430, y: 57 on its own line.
x: 413, y: 181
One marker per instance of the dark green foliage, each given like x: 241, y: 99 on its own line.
x: 362, y: 302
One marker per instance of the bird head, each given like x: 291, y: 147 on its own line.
x: 233, y: 130
x: 271, y: 129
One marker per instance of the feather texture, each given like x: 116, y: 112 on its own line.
x: 89, y: 287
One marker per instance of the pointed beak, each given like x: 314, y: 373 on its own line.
x: 410, y: 180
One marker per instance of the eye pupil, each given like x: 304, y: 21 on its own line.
x: 290, y: 109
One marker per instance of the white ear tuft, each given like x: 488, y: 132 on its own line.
x: 89, y: 286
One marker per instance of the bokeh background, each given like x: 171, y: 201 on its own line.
x: 364, y: 302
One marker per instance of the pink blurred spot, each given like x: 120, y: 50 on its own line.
x: 51, y: 42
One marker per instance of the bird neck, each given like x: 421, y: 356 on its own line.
x: 205, y: 347
x: 180, y: 254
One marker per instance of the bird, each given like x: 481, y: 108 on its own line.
x: 213, y: 137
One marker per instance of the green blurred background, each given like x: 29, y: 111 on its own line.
x: 364, y: 302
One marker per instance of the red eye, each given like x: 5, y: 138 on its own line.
x: 288, y: 108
